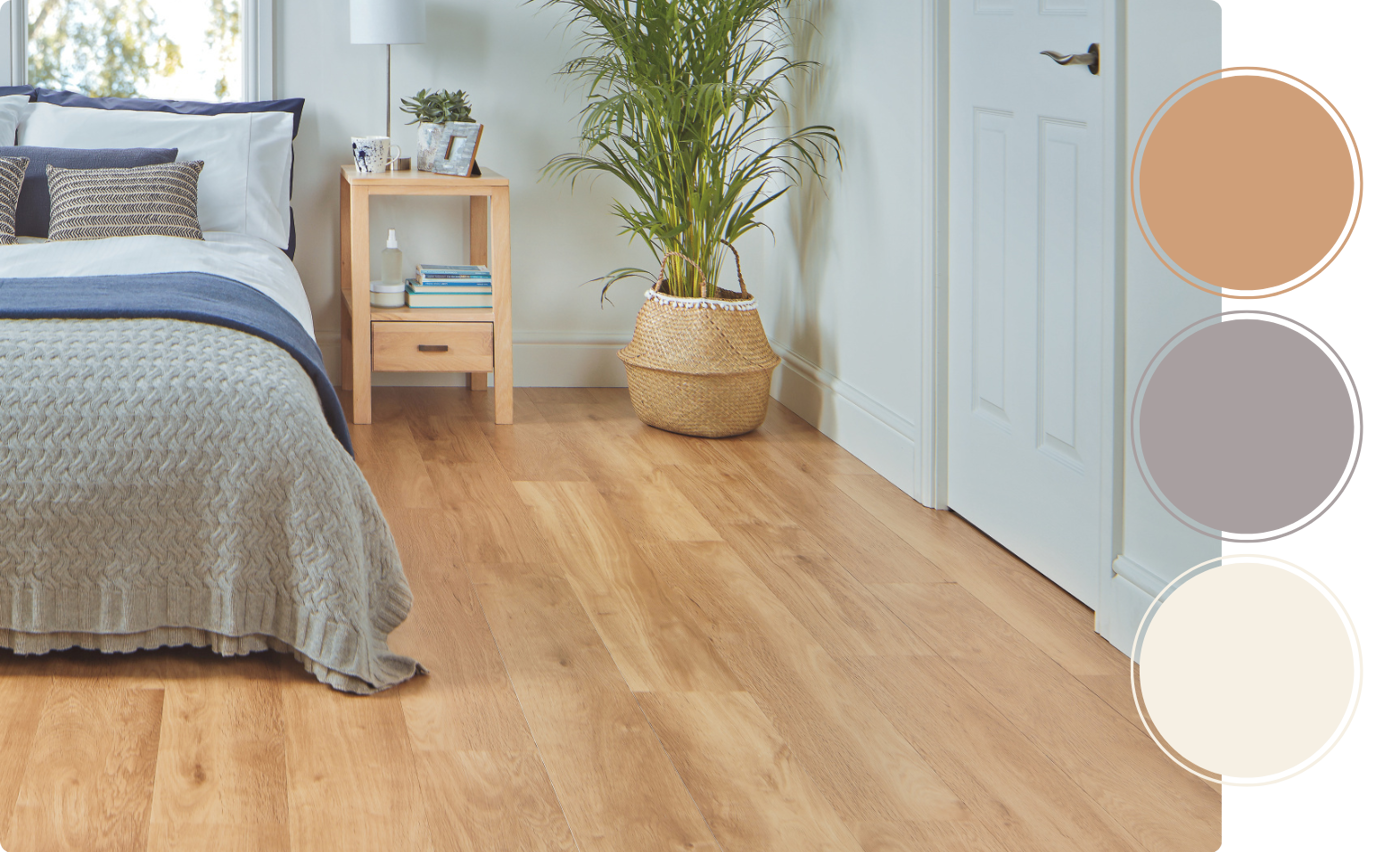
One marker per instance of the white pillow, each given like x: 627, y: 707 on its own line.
x: 246, y: 185
x: 13, y: 109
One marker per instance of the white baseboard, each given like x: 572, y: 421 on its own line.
x: 1130, y: 595
x: 868, y: 430
x: 542, y: 360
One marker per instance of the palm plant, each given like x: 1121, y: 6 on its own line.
x: 681, y: 101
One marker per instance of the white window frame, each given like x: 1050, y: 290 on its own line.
x: 257, y: 47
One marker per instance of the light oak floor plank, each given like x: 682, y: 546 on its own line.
x: 643, y: 501
x: 1161, y: 805
x: 1023, y: 799
x: 863, y: 766
x: 527, y: 450
x: 389, y: 457
x: 913, y: 836
x: 24, y: 690
x: 852, y: 535
x: 352, y: 781
x: 88, y: 780
x: 561, y: 396
x: 484, y: 783
x: 796, y: 440
x: 494, y: 523
x: 1027, y: 600
x: 660, y: 447
x: 467, y: 703
x: 657, y: 643
x: 483, y: 801
x: 614, y: 780
x: 840, y: 612
x: 221, y: 772
x: 754, y: 793
x: 730, y: 493
x: 442, y: 426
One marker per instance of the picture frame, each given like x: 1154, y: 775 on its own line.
x: 457, y: 148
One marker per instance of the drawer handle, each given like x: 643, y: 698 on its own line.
x: 426, y: 347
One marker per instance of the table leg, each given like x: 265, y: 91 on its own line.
x: 343, y: 287
x: 500, y: 288
x: 347, y: 346
x: 360, y: 323
x: 477, y: 237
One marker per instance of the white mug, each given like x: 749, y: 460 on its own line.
x: 373, y: 153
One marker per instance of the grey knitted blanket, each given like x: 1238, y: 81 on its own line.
x: 165, y: 482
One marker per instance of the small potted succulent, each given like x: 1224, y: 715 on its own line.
x: 438, y: 115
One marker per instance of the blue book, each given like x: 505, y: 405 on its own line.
x: 453, y: 271
x: 415, y: 287
x: 419, y: 299
x: 471, y: 286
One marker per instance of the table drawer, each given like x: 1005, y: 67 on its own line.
x: 432, y: 347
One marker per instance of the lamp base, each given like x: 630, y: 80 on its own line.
x: 402, y: 164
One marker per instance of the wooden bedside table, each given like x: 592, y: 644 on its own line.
x: 432, y: 340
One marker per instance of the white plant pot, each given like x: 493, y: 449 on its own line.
x: 429, y: 138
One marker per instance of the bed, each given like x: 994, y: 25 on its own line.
x: 175, y: 468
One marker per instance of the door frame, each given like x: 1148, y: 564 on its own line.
x: 932, y: 460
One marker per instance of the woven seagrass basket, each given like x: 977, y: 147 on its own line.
x: 700, y: 367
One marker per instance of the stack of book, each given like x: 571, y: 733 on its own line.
x: 450, y: 287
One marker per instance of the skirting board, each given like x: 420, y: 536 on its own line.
x: 541, y: 361
x: 1130, y: 595
x: 862, y: 426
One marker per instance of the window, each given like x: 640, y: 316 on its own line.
x: 202, y: 50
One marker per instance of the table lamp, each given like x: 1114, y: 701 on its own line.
x: 388, y: 22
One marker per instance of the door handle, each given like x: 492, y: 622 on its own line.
x: 1090, y: 59
x: 427, y: 347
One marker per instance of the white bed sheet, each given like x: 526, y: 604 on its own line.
x: 250, y: 260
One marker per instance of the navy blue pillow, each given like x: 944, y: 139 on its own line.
x: 32, y: 216
x: 73, y: 99
x: 291, y: 105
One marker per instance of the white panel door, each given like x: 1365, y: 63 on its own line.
x: 1028, y: 283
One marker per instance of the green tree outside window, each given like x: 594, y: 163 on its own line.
x: 119, y: 47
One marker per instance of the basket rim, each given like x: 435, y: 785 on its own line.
x: 741, y: 304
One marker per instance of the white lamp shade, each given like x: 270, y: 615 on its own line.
x: 388, y: 22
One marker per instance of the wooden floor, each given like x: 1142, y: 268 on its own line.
x: 638, y: 641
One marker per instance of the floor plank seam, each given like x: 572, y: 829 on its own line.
x: 671, y: 761
x: 534, y: 741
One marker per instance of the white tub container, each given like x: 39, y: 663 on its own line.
x: 387, y: 295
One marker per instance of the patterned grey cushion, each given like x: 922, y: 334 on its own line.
x: 93, y: 204
x: 11, y: 179
x: 32, y: 215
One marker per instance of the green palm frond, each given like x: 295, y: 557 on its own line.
x: 681, y: 97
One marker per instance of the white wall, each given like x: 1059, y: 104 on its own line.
x: 848, y: 290
x: 504, y: 54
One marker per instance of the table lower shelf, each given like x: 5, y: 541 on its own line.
x: 407, y: 314
x: 431, y: 315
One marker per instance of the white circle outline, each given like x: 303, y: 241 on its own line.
x: 1133, y: 668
